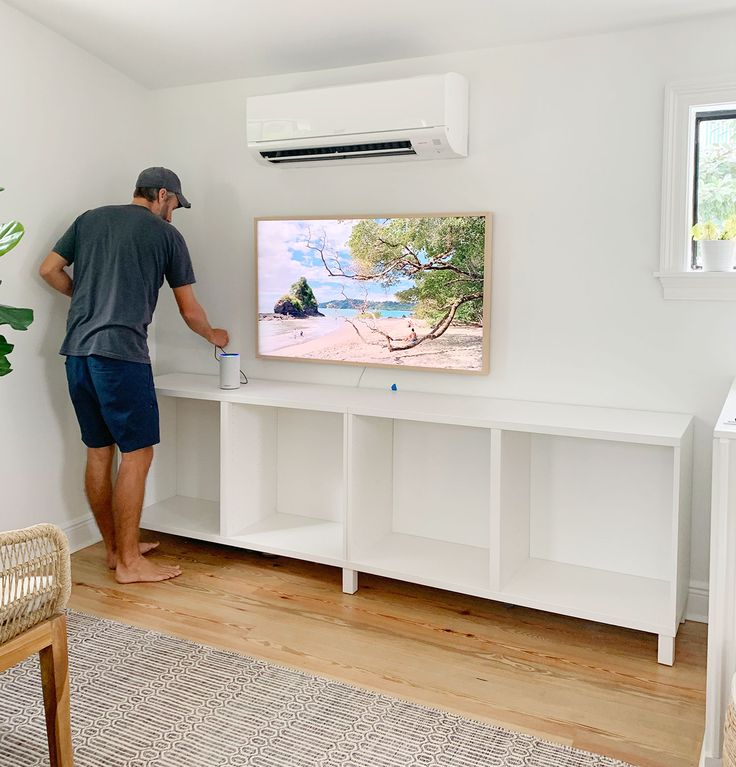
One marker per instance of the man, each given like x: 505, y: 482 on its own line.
x: 121, y: 255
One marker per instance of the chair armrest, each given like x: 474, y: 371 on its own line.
x: 35, y: 577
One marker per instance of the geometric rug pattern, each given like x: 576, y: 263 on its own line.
x: 142, y: 699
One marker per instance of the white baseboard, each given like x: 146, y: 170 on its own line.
x: 81, y: 532
x: 697, y: 602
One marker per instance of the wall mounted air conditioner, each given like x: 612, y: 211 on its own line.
x: 419, y: 118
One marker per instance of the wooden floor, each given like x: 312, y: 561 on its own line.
x: 583, y: 684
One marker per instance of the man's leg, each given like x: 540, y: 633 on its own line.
x: 98, y: 486
x: 127, y: 504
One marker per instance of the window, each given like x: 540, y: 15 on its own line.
x: 698, y: 184
x: 714, y: 177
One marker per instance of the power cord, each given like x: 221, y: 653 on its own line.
x: 361, y: 377
x: 222, y: 351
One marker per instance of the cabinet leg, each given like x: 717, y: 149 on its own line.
x: 349, y: 581
x: 666, y: 650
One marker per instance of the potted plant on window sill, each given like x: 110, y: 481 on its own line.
x: 717, y: 245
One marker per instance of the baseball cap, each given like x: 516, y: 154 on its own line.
x: 163, y: 178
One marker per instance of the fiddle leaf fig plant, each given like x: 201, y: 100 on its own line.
x: 18, y: 319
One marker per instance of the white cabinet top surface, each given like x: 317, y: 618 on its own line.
x: 539, y: 417
x: 726, y: 424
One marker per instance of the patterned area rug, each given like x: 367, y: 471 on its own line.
x: 141, y: 699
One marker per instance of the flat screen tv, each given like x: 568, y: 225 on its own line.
x: 408, y: 291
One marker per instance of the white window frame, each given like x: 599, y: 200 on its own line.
x: 682, y: 101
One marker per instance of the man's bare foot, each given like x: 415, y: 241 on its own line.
x: 112, y: 559
x: 145, y: 571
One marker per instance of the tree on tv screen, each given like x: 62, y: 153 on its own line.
x: 443, y: 257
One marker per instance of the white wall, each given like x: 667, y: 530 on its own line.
x: 566, y: 145
x: 72, y: 136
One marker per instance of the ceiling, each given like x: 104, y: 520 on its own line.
x: 162, y: 43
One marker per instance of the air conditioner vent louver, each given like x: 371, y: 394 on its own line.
x: 340, y: 152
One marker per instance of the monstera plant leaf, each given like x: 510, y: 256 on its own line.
x: 18, y: 319
x: 5, y: 348
x: 10, y: 235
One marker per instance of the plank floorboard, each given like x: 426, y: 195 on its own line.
x: 579, y: 683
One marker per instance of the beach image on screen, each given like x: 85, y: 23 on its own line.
x: 409, y: 291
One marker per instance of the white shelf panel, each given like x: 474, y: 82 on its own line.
x: 639, y: 426
x: 622, y: 600
x: 291, y: 535
x: 451, y: 566
x: 288, y: 535
x: 257, y: 392
x: 181, y: 515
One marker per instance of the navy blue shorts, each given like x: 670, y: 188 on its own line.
x: 115, y: 402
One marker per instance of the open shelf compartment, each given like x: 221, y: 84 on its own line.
x: 586, y: 528
x: 283, y: 484
x: 183, y: 488
x: 419, y: 500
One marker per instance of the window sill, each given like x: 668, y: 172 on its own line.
x: 698, y: 286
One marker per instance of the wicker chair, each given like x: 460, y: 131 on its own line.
x: 729, y: 729
x: 34, y: 586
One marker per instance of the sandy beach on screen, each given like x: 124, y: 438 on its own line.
x: 459, y: 348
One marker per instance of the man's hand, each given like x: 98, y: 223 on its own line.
x: 219, y: 337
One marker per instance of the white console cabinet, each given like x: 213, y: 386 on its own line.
x: 721, y: 683
x: 576, y: 510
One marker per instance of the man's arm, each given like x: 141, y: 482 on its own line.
x: 194, y: 315
x: 52, y: 270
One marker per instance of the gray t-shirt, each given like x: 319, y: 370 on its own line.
x: 121, y: 254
